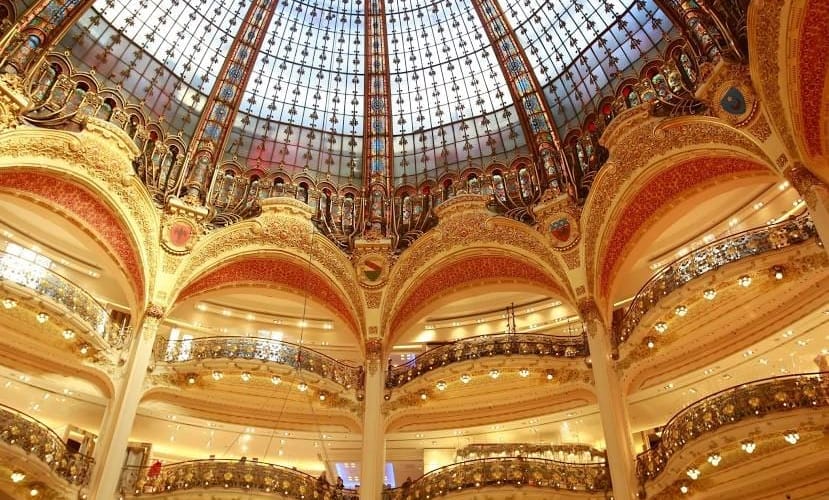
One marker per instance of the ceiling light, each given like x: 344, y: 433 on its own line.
x: 683, y: 488
x: 661, y: 327
x: 276, y: 380
x: 748, y: 446
x: 650, y: 342
x: 441, y: 385
x: 744, y: 281
x: 84, y: 349
x: 9, y: 303
x: 245, y: 376
x: 778, y: 272
x: 550, y: 374
x: 18, y: 476
x: 681, y: 310
x: 709, y: 294
x: 217, y: 375
x: 42, y: 317
x: 466, y: 378
x: 494, y: 373
x: 693, y: 473
x: 323, y: 395
x: 714, y: 459
x: 191, y: 379
x: 68, y: 334
x: 524, y: 372
x: 791, y: 437
x: 34, y: 491
x: 302, y: 387
x: 423, y: 395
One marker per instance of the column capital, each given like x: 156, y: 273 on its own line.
x: 374, y: 352
x: 589, y: 312
x: 801, y: 178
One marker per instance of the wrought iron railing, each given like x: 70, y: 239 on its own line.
x: 36, y: 439
x: 494, y: 472
x: 755, y: 399
x: 709, y: 258
x: 485, y: 346
x: 570, y: 453
x: 47, y: 283
x: 247, y: 475
x: 253, y: 348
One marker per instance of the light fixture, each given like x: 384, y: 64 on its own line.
x: 245, y: 376
x: 323, y: 395
x: 423, y: 395
x: 709, y: 294
x: 494, y: 373
x: 191, y: 378
x: 748, y: 446
x: 661, y: 327
x: 34, y: 490
x: 778, y: 272
x: 18, y: 476
x: 524, y: 372
x: 84, y: 349
x: 9, y: 303
x: 466, y: 378
x: 683, y: 489
x: 276, y: 379
x: 68, y: 334
x: 217, y: 375
x: 441, y: 385
x: 650, y: 342
x: 744, y: 281
x: 42, y: 317
x: 681, y: 310
x: 791, y: 437
x: 302, y: 387
x: 693, y: 473
x: 714, y: 459
x: 550, y: 374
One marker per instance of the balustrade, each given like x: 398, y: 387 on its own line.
x: 733, y: 405
x: 570, y: 453
x: 36, y: 439
x: 259, y: 349
x: 518, y: 471
x: 76, y: 299
x: 485, y: 346
x: 709, y: 258
x: 245, y: 475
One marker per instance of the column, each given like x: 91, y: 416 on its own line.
x: 116, y: 428
x: 816, y: 195
x: 612, y: 406
x: 373, y: 464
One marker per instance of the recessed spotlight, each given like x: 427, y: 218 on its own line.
x: 441, y: 385
x: 245, y: 376
x: 524, y: 372
x: 84, y: 349
x: 191, y: 379
x: 650, y: 342
x: 709, y: 294
x: 323, y: 395
x: 683, y: 489
x: 791, y: 437
x: 217, y: 375
x: 714, y: 459
x: 302, y: 387
x: 18, y: 476
x: 744, y: 281
x: 276, y: 380
x: 661, y: 327
x: 68, y: 334
x: 693, y: 473
x: 424, y: 396
x: 34, y: 491
x: 466, y: 378
x: 778, y: 272
x: 748, y: 446
x: 494, y: 373
x: 42, y: 317
x: 681, y: 310
x: 550, y: 374
x: 9, y: 303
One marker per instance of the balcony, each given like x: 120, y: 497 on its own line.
x: 248, y: 476
x: 38, y: 441
x: 22, y: 278
x: 709, y: 258
x: 534, y: 473
x: 487, y: 346
x: 748, y: 401
x: 194, y: 352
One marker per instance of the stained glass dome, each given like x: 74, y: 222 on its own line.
x: 304, y: 103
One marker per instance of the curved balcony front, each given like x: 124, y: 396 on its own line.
x: 193, y: 353
x: 491, y: 473
x: 185, y: 479
x: 709, y: 258
x: 23, y: 432
x: 731, y: 406
x: 487, y: 346
x: 21, y: 278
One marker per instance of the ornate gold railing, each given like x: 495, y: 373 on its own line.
x: 485, y: 346
x: 755, y: 399
x: 73, y: 297
x: 709, y: 258
x: 253, y: 348
x: 488, y: 472
x: 22, y: 431
x: 245, y: 475
x: 570, y: 453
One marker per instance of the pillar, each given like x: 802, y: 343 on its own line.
x: 621, y: 455
x: 111, y: 449
x: 816, y: 195
x: 373, y: 464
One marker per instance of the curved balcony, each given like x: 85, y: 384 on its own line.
x: 258, y: 349
x: 573, y: 453
x: 515, y: 471
x: 26, y: 276
x: 248, y: 476
x: 485, y: 346
x: 706, y: 259
x: 752, y: 400
x: 36, y: 439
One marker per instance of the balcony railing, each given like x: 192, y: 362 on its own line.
x: 486, y: 346
x: 489, y: 472
x: 248, y: 476
x: 709, y: 258
x: 259, y: 349
x: 47, y: 283
x: 570, y: 453
x: 28, y: 434
x: 755, y: 399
